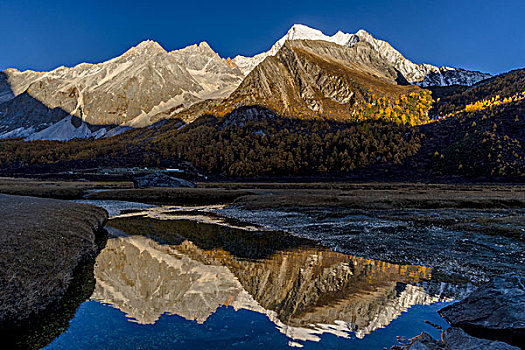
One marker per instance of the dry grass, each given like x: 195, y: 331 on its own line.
x: 377, y: 195
x: 54, y: 189
x: 173, y: 195
x: 256, y: 195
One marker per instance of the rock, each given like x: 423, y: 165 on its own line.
x: 422, y: 342
x: 456, y: 338
x: 495, y: 310
x: 453, y: 339
x: 159, y: 179
x: 42, y: 241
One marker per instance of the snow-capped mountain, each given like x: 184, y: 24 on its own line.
x: 313, y: 78
x: 148, y: 83
x: 421, y: 74
x: 297, y: 32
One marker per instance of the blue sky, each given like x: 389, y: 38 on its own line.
x: 473, y: 34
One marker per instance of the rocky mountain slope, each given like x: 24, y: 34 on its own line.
x: 147, y: 84
x: 130, y: 90
x: 318, y: 78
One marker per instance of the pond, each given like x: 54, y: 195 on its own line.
x: 187, y: 280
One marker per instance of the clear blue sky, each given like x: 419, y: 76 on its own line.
x: 474, y: 34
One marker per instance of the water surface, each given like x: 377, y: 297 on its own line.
x: 171, y: 280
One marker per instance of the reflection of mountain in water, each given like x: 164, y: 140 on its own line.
x: 145, y: 280
x: 304, y: 291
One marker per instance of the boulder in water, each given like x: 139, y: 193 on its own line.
x: 453, y: 339
x: 496, y: 310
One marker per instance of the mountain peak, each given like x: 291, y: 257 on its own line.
x: 363, y: 33
x: 205, y: 47
x: 301, y: 27
x: 301, y: 31
x: 204, y: 44
x: 146, y: 46
x: 296, y: 32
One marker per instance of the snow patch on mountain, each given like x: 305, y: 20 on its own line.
x: 18, y: 132
x: 65, y: 130
x: 449, y: 76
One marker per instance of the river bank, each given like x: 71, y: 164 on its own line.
x: 43, y: 242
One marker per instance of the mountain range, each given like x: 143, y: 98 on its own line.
x: 305, y: 73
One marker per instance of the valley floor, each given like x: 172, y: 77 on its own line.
x: 466, y: 233
x: 279, y: 195
x: 471, y: 230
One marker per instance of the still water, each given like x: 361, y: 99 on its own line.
x: 170, y: 278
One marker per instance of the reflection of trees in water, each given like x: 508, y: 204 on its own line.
x: 240, y: 243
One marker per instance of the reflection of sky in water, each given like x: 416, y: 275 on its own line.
x: 99, y: 326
